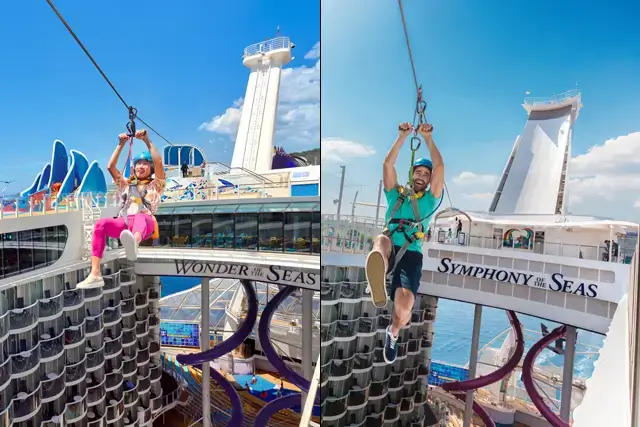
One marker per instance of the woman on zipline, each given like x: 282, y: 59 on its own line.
x: 141, y: 196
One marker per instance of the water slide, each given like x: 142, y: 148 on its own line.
x: 284, y: 160
x: 459, y: 388
x: 527, y: 376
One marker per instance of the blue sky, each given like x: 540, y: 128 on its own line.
x: 178, y: 62
x: 476, y: 63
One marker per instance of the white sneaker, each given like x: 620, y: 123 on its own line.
x: 130, y: 245
x: 91, y: 282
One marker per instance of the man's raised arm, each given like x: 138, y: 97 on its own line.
x: 437, y: 175
x: 389, y: 174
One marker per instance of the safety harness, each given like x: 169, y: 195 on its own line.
x: 134, y: 194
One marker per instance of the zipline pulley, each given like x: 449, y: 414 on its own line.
x: 131, y: 126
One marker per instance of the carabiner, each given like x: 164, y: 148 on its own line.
x: 417, y: 141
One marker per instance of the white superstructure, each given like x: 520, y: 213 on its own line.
x: 254, y: 143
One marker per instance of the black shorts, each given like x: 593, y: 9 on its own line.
x: 408, y: 272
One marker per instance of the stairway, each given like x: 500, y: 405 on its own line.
x: 255, y: 122
x: 90, y: 214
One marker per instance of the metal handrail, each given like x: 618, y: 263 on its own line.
x: 555, y: 99
x: 267, y: 46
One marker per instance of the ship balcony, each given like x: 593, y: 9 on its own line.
x: 53, y: 386
x: 154, y: 294
x: 111, y: 316
x: 154, y: 348
x: 156, y: 403
x: 391, y: 414
x: 25, y: 363
x: 94, y: 294
x: 95, y: 393
x: 74, y: 334
x: 130, y: 421
x: 5, y: 326
x: 95, y: 418
x: 335, y: 408
x: 111, y: 283
x: 144, y: 383
x: 128, y: 306
x: 363, y: 361
x: 23, y: 319
x: 421, y: 397
x: 73, y: 299
x: 112, y: 346
x: 115, y: 408
x: 130, y: 395
x: 156, y: 373
x: 423, y: 369
x: 127, y: 276
x: 26, y: 404
x: 341, y: 368
x: 357, y: 396
x: 154, y: 322
x: 93, y: 326
x: 128, y: 337
x: 141, y: 300
x: 345, y: 290
x: 143, y: 356
x: 95, y: 359
x: 5, y: 374
x: 129, y: 366
x: 76, y: 373
x: 75, y: 410
x: 114, y: 363
x: 51, y: 308
x: 142, y: 328
x: 113, y: 380
x: 378, y: 389
x: 396, y: 381
x: 6, y: 416
x: 411, y: 375
x: 144, y: 414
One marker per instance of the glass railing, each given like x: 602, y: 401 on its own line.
x: 128, y: 306
x: 142, y: 327
x: 20, y: 318
x: 143, y: 356
x: 93, y: 324
x: 129, y: 367
x: 144, y: 383
x: 51, y: 306
x: 128, y: 337
x: 5, y: 326
x: 111, y: 281
x: 111, y: 315
x: 52, y: 387
x: 73, y: 298
x: 115, y: 409
x: 113, y: 379
x: 95, y: 418
x: 95, y: 358
x: 25, y: 361
x: 75, y: 372
x: 75, y: 410
x: 127, y: 276
x: 92, y: 294
x: 6, y: 416
x: 51, y: 347
x: 95, y: 393
x: 156, y: 372
x: 74, y: 334
x: 112, y: 347
x: 141, y: 300
x: 25, y: 404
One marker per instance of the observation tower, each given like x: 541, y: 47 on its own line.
x: 254, y: 143
x: 534, y: 178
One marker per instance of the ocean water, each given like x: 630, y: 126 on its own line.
x: 453, y: 329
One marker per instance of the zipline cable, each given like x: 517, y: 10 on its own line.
x: 415, y: 81
x: 86, y: 51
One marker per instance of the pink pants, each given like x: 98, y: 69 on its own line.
x: 109, y: 227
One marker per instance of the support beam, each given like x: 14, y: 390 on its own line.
x: 473, y: 361
x: 567, y: 373
x: 307, y: 334
x: 204, y: 346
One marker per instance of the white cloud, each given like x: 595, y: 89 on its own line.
x: 615, y: 155
x: 469, y: 178
x: 298, y: 120
x: 314, y: 53
x: 337, y: 149
x: 478, y: 196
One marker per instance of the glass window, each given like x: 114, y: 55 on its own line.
x: 246, y: 231
x: 10, y: 252
x: 62, y: 233
x: 270, y: 231
x: 297, y: 231
x: 274, y: 207
x: 315, y: 232
x: 165, y: 228
x: 225, y: 208
x: 2, y: 261
x: 201, y: 230
x: 51, y: 240
x: 181, y: 231
x: 249, y: 208
x: 39, y: 248
x: 25, y: 250
x: 222, y: 230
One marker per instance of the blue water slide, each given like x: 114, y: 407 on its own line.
x: 77, y: 170
x: 93, y: 181
x: 44, y: 177
x: 59, y: 164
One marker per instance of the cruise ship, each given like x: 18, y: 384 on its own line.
x: 126, y: 354
x: 525, y: 255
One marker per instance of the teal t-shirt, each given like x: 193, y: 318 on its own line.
x: 426, y: 206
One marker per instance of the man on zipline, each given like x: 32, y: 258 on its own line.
x: 404, y: 229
